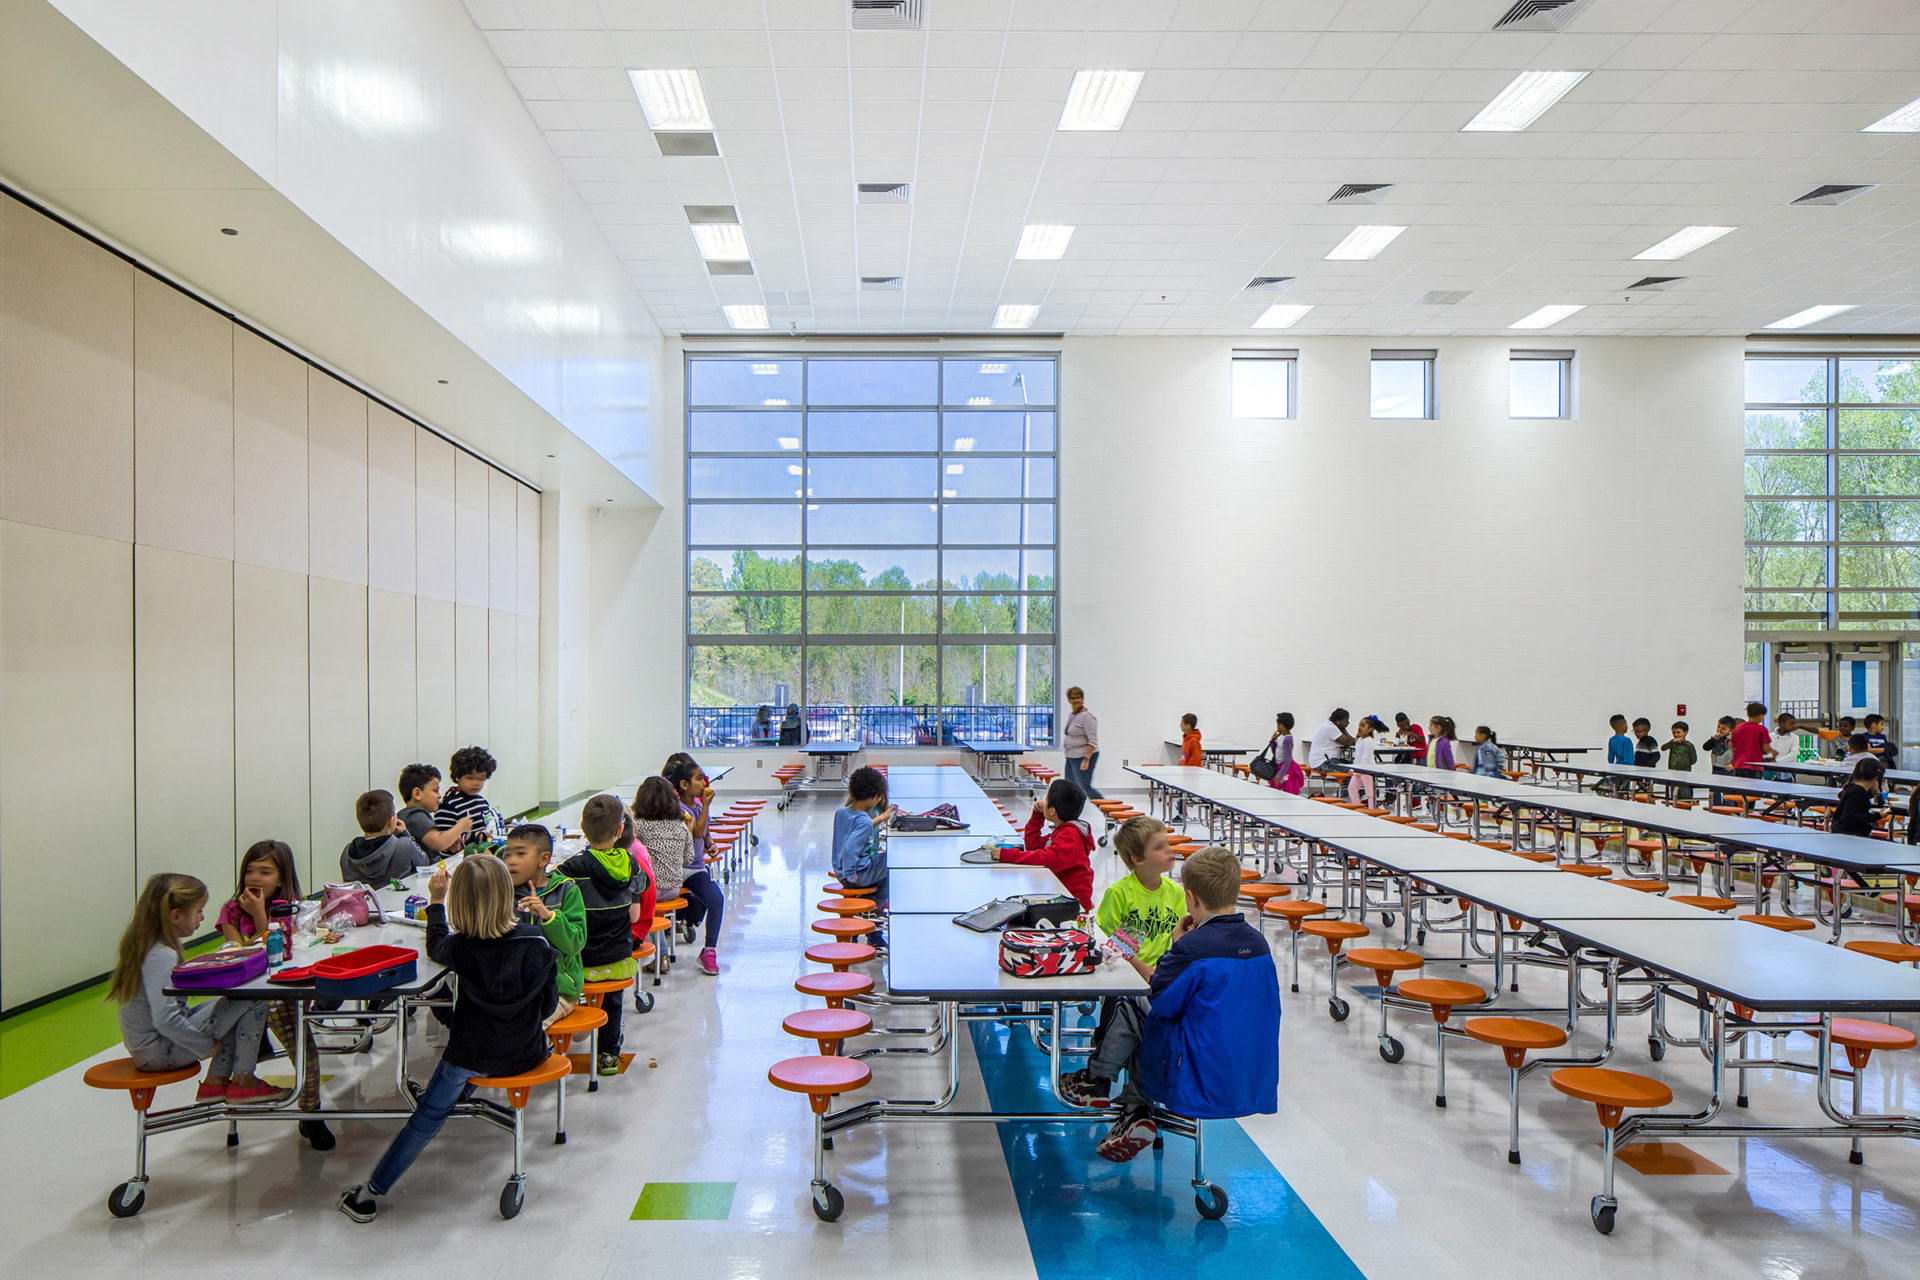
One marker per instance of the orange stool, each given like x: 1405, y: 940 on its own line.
x: 844, y: 930
x: 1515, y: 1036
x: 840, y: 956
x: 1531, y: 856
x: 845, y: 906
x: 1785, y: 924
x: 1611, y: 1092
x: 1336, y: 934
x: 822, y: 1078
x: 560, y: 1034
x: 828, y: 1026
x: 847, y: 890
x: 1644, y: 886
x: 519, y: 1089
x: 1860, y: 1039
x: 834, y: 988
x: 1897, y: 952
x: 1385, y: 962
x: 1441, y: 996
x: 1294, y: 913
x: 130, y: 1196
x: 1587, y: 869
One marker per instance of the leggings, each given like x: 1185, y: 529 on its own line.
x: 281, y: 1021
x: 1358, y: 785
x: 704, y: 900
x: 235, y: 1026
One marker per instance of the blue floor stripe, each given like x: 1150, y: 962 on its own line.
x: 1086, y: 1217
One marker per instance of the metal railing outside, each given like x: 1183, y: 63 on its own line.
x: 882, y: 725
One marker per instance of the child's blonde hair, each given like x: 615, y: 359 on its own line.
x: 1133, y: 837
x: 1212, y: 876
x: 480, y: 899
x: 165, y: 893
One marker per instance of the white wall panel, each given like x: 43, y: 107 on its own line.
x: 183, y: 416
x: 269, y: 455
x: 503, y: 541
x: 336, y: 479
x: 392, y: 699
x: 526, y: 694
x: 66, y: 740
x: 435, y: 538
x: 183, y: 739
x: 518, y: 761
x: 271, y: 713
x: 470, y: 559
x: 66, y: 379
x: 337, y: 708
x: 434, y: 699
x: 470, y: 723
x: 391, y: 550
x: 526, y: 573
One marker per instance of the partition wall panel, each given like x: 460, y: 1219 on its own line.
x: 272, y: 786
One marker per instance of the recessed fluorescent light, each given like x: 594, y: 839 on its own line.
x: 1682, y: 242
x: 1282, y: 315
x: 789, y: 442
x: 1099, y: 99
x: 956, y: 468
x: 746, y: 315
x: 1905, y: 120
x: 963, y: 444
x: 764, y: 369
x: 672, y: 99
x: 1363, y: 243
x: 795, y: 469
x: 949, y: 493
x: 1015, y: 316
x: 1812, y: 315
x: 993, y: 368
x: 1520, y: 103
x: 1043, y: 240
x: 721, y: 241
x: 1548, y: 315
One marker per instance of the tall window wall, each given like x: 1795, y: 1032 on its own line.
x: 871, y: 539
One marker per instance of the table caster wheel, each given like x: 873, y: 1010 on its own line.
x: 1602, y: 1217
x: 643, y: 1002
x: 512, y: 1197
x: 1656, y: 1049
x: 1211, y: 1201
x: 1420, y: 938
x: 1338, y: 1009
x: 127, y: 1199
x: 1392, y: 1050
x: 1386, y: 919
x: 827, y: 1202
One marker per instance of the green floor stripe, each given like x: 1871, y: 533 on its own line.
x: 46, y: 1041
x: 684, y: 1201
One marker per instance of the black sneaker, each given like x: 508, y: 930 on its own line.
x: 318, y: 1136
x: 357, y: 1204
x: 1133, y: 1133
x: 1082, y: 1089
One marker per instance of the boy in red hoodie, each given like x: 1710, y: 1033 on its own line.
x: 1067, y: 850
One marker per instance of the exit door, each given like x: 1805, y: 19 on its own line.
x: 1818, y: 680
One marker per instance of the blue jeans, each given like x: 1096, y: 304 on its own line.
x: 447, y: 1089
x: 704, y: 901
x: 879, y: 895
x: 1082, y: 775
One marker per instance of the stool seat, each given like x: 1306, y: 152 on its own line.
x: 556, y: 1067
x: 1521, y: 1034
x: 1398, y: 819
x: 584, y: 1018
x: 1585, y: 869
x: 1531, y: 856
x: 1705, y: 901
x: 1425, y: 826
x: 834, y: 988
x: 1498, y: 846
x: 1441, y: 993
x: 1258, y: 892
x: 1855, y: 1034
x: 1644, y: 886
x: 845, y: 930
x: 1248, y: 874
x: 828, y: 1026
x: 1384, y: 962
x: 674, y: 903
x: 840, y: 954
x: 845, y: 906
x: 1293, y: 912
x: 820, y: 1076
x: 1339, y: 930
x: 1611, y: 1090
x: 1897, y: 952
x: 604, y: 987
x: 1785, y: 924
x: 644, y: 952
x: 121, y: 1073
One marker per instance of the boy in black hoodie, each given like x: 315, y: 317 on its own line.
x: 611, y: 880
x: 385, y: 852
x: 508, y: 985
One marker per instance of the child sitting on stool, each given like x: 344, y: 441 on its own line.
x: 858, y: 860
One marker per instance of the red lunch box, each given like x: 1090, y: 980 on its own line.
x: 365, y: 971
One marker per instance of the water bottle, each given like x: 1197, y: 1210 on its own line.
x: 276, y: 948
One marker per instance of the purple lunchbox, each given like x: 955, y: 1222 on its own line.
x: 228, y: 967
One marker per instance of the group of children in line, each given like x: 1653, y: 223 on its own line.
x: 1334, y: 745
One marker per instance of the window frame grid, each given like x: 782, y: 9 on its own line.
x: 1533, y: 355
x: 1430, y: 382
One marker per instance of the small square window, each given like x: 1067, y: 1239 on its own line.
x: 1263, y: 383
x: 1401, y: 384
x: 1540, y: 384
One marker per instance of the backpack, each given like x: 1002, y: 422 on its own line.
x: 1047, y: 953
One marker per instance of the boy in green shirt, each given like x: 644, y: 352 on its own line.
x: 1145, y: 905
x: 553, y: 902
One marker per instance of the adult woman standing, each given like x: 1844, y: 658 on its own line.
x: 1080, y: 739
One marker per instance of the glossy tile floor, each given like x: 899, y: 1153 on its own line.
x: 1402, y: 1188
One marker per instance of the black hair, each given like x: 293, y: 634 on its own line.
x: 374, y: 812
x: 471, y: 760
x: 1337, y: 714
x: 1492, y: 737
x: 1616, y: 718
x: 1190, y: 719
x: 1642, y: 720
x: 1285, y: 720
x: 1756, y: 709
x: 1874, y: 717
x: 678, y: 757
x: 534, y: 834
x: 1847, y: 720
x: 1857, y: 742
x: 681, y: 774
x: 867, y: 783
x: 1066, y: 799
x: 414, y: 777
x: 655, y: 801
x: 1401, y: 717
x: 1680, y: 724
x: 1868, y: 770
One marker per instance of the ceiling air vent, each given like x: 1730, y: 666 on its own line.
x: 1834, y: 193
x: 677, y: 143
x: 1445, y: 297
x: 1540, y: 15
x: 1270, y: 284
x: 1361, y: 192
x: 1653, y: 283
x: 883, y: 284
x: 889, y: 15
x: 881, y: 193
x: 729, y: 268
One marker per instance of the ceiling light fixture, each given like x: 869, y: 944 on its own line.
x: 1040, y: 240
x: 1681, y: 243
x: 993, y: 368
x: 963, y: 444
x: 1363, y: 243
x: 746, y: 315
x: 1812, y: 315
x: 672, y: 99
x: 1522, y: 102
x: 1905, y: 120
x: 1099, y: 100
x: 1015, y: 316
x: 1548, y: 315
x: 1282, y: 315
x: 721, y: 241
x: 766, y: 369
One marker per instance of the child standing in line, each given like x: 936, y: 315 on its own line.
x: 1646, y: 750
x: 508, y: 988
x: 160, y: 1031
x: 1619, y: 746
x: 1146, y: 905
x: 1365, y: 752
x: 611, y: 881
x: 1067, y: 849
x: 420, y: 793
x: 553, y: 903
x: 1719, y: 747
x: 1861, y: 799
x: 858, y: 860
x: 1751, y: 745
x: 1488, y: 759
x: 1681, y: 756
x: 1786, y: 745
x: 270, y: 885
x: 1440, y: 743
x: 470, y: 768
x: 704, y: 899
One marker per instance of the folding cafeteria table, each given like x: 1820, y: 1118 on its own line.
x: 951, y: 891
x: 926, y: 788
x: 993, y: 759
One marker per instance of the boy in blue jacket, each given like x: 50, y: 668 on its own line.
x: 1210, y: 1043
x: 858, y: 860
